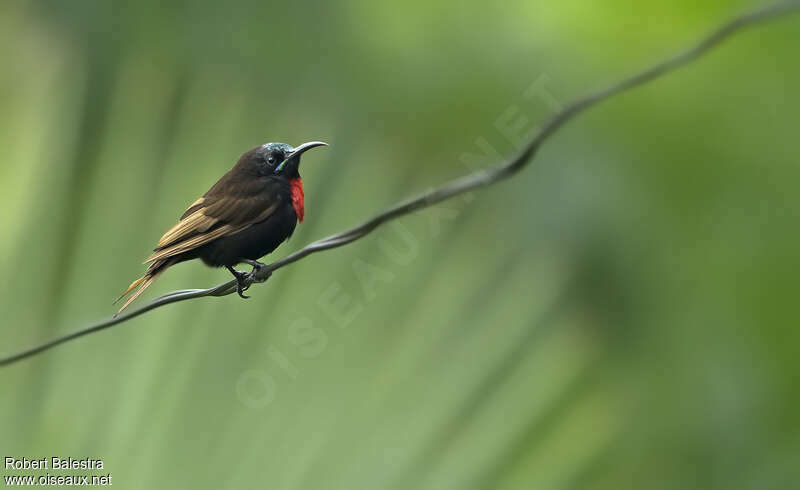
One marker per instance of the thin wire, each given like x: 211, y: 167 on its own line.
x: 450, y: 189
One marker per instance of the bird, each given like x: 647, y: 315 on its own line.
x: 247, y: 214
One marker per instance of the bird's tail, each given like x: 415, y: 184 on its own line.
x: 142, y: 283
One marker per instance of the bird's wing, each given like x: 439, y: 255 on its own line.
x: 219, y: 213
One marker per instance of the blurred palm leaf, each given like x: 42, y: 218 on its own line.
x: 602, y: 321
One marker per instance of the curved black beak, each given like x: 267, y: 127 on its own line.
x: 305, y: 146
x: 299, y: 150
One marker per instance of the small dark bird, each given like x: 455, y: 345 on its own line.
x: 249, y: 212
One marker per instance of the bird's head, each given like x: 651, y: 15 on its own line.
x: 277, y: 159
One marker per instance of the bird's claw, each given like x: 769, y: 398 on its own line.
x: 240, y: 290
x: 242, y: 283
x: 245, y: 279
x: 257, y: 268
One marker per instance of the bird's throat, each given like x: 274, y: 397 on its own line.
x: 298, y: 198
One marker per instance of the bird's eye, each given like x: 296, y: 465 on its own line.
x: 271, y: 160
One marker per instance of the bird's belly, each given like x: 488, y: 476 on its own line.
x: 253, y: 242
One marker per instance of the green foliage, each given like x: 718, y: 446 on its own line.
x: 620, y: 315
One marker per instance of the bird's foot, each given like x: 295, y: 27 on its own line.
x: 256, y: 274
x: 241, y: 281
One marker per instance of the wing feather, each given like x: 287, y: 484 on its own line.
x: 197, y: 222
x: 212, y: 217
x: 194, y: 242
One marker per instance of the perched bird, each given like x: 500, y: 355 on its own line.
x: 249, y: 212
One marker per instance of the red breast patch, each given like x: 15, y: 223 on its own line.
x: 298, y: 198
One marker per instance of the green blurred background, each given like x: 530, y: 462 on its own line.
x: 620, y: 315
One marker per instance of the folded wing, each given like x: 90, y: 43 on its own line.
x: 213, y: 216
